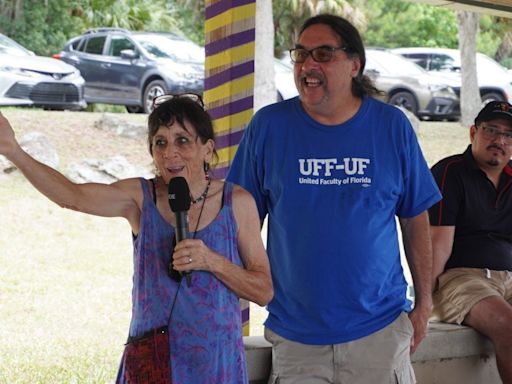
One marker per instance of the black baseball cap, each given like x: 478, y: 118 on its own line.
x: 494, y: 110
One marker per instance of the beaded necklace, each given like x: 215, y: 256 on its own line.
x: 203, y: 195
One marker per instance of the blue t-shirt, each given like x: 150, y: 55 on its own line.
x: 332, y: 194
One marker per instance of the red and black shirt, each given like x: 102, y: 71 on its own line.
x: 481, y: 214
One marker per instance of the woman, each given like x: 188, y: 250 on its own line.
x: 224, y: 254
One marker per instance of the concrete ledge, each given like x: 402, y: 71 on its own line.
x: 258, y: 352
x: 449, y: 354
x: 448, y: 341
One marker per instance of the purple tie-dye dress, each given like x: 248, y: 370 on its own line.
x: 205, y: 328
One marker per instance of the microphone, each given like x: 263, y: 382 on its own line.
x: 179, y: 200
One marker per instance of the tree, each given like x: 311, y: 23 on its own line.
x: 495, y: 38
x: 405, y: 24
x: 264, y: 84
x: 290, y: 14
x: 130, y: 14
x: 42, y: 27
x: 470, y: 101
x: 189, y: 16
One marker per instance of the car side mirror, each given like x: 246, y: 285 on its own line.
x: 372, y: 73
x: 129, y: 54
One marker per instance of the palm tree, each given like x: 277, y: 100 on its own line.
x: 129, y: 14
x: 290, y: 14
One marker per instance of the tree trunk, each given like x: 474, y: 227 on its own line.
x: 264, y: 76
x: 505, y: 47
x: 12, y: 10
x: 470, y: 101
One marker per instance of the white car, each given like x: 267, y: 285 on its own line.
x: 495, y: 81
x: 285, y: 84
x: 27, y: 79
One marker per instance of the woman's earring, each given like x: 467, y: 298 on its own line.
x: 206, y: 166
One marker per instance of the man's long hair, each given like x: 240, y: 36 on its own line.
x: 361, y: 84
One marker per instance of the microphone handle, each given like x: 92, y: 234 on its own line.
x: 182, y: 234
x: 181, y: 226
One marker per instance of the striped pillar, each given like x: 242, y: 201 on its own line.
x: 229, y: 80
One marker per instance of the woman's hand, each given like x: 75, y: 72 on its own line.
x: 7, y: 140
x: 193, y: 254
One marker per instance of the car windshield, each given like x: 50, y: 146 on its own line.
x: 9, y: 47
x: 444, y: 63
x: 392, y: 63
x: 483, y: 62
x: 170, y: 47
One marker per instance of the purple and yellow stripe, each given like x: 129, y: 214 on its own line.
x: 229, y: 77
x: 229, y: 81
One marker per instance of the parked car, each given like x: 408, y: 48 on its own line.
x: 27, y: 79
x: 495, y: 81
x: 410, y: 86
x: 285, y: 84
x: 131, y: 68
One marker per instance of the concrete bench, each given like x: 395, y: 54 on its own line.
x: 450, y: 354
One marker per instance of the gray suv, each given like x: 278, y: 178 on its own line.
x: 408, y: 85
x: 131, y: 68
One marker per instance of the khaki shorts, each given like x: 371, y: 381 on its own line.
x: 380, y: 358
x: 459, y: 289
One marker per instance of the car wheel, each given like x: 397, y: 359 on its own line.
x: 154, y: 89
x: 134, y: 109
x: 491, y: 96
x: 405, y: 100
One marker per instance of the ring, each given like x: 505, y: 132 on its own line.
x: 189, y: 260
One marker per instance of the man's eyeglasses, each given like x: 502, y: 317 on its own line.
x: 157, y: 101
x: 492, y: 133
x: 321, y: 54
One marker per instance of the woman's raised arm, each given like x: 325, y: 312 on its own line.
x: 120, y: 199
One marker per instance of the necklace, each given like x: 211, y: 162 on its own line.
x: 203, y: 195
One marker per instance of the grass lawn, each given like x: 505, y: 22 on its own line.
x: 65, y: 277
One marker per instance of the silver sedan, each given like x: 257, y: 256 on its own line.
x: 27, y: 79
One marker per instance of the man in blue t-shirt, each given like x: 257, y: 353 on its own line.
x: 332, y: 170
x: 472, y: 233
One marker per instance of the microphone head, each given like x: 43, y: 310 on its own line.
x: 179, y: 194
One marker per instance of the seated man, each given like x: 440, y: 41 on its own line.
x: 471, y: 230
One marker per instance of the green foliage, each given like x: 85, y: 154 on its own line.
x: 41, y: 28
x: 289, y: 15
x: 491, y: 33
x: 45, y: 26
x: 507, y: 63
x: 130, y: 14
x: 189, y: 17
x: 487, y: 42
x: 396, y: 23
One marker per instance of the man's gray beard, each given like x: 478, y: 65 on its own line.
x: 493, y: 163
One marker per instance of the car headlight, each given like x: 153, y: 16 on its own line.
x: 182, y: 73
x: 187, y: 74
x: 441, y: 89
x: 73, y: 75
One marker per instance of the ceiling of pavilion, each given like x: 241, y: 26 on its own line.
x: 501, y: 8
